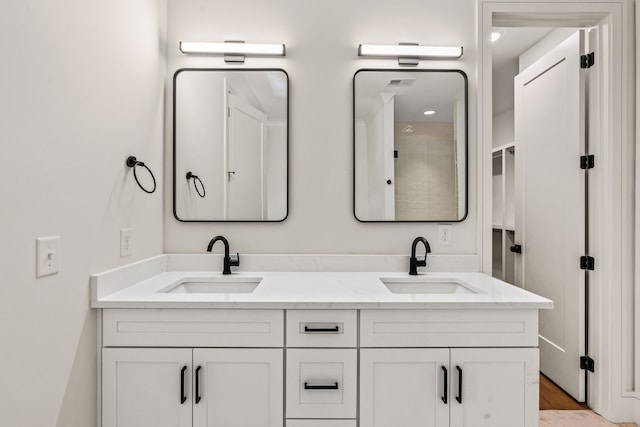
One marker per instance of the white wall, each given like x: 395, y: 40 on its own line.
x: 322, y: 39
x: 200, y: 121
x: 503, y: 128
x: 81, y: 89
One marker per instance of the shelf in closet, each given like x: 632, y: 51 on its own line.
x: 503, y: 223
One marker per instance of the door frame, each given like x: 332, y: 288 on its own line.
x: 611, y: 388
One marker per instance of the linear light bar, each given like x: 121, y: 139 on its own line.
x: 233, y: 48
x: 409, y: 51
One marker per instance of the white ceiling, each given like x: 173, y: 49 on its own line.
x: 515, y: 41
x: 428, y: 91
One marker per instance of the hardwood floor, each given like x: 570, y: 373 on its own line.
x: 553, y: 397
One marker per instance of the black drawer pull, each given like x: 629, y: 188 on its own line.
x: 445, y: 388
x: 308, y: 386
x: 198, y: 397
x: 335, y: 329
x: 183, y: 398
x: 459, y: 396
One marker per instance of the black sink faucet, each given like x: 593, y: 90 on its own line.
x: 413, y: 261
x: 228, y: 262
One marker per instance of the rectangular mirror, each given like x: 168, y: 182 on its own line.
x: 410, y: 145
x: 230, y: 144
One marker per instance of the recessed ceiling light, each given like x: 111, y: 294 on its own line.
x: 429, y: 112
x: 495, y: 35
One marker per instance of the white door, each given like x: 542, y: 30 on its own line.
x: 550, y: 212
x: 246, y: 175
x: 237, y: 387
x: 404, y: 387
x: 494, y: 387
x: 146, y: 387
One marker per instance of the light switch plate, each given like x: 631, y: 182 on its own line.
x: 47, y: 256
x: 444, y: 234
x: 126, y: 242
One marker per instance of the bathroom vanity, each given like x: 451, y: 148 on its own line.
x: 314, y: 349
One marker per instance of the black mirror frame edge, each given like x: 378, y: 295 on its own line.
x: 466, y: 141
x: 175, y: 76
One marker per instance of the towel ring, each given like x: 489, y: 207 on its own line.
x: 132, y: 162
x: 196, y: 179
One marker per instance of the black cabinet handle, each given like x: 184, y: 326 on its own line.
x: 445, y: 388
x: 335, y: 329
x: 198, y: 397
x: 459, y: 396
x: 183, y: 398
x: 308, y: 386
x: 516, y: 249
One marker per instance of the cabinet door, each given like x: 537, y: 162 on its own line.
x: 404, y: 387
x: 494, y: 387
x: 238, y: 387
x: 146, y: 387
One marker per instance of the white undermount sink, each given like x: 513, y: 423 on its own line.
x: 428, y: 285
x: 213, y: 285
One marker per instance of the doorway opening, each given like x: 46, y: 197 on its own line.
x: 540, y: 216
x: 610, y: 135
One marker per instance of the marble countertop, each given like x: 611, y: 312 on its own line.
x: 145, y: 285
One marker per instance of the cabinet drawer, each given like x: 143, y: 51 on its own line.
x: 321, y: 423
x: 192, y: 328
x: 448, y: 328
x: 321, y: 383
x: 321, y: 328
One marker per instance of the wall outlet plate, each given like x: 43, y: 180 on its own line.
x: 47, y: 256
x: 444, y: 234
x: 126, y: 242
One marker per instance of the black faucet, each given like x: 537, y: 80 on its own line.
x: 413, y: 261
x: 228, y: 262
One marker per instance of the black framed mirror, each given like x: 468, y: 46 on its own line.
x: 230, y: 144
x: 410, y: 141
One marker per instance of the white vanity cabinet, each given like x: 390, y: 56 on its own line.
x: 204, y: 382
x: 319, y: 367
x: 491, y: 384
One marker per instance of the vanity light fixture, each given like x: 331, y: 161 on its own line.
x: 410, y: 53
x: 233, y: 51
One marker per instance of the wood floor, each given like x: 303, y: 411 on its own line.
x: 553, y: 397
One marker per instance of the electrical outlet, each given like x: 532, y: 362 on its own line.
x: 126, y: 242
x: 47, y: 256
x: 444, y: 234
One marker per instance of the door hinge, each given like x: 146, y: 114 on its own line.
x: 587, y: 364
x: 587, y: 162
x: 587, y: 263
x: 588, y: 60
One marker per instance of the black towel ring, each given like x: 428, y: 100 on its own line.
x: 132, y: 162
x: 196, y: 179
